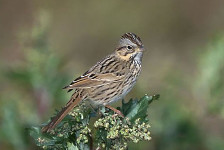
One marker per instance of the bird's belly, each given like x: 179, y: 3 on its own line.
x: 125, y: 91
x: 105, y: 95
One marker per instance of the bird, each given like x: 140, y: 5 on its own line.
x: 108, y: 80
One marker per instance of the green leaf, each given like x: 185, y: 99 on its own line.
x: 41, y: 139
x: 71, y: 146
x: 111, y: 131
x: 137, y: 108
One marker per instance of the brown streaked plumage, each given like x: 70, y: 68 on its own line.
x: 107, y: 81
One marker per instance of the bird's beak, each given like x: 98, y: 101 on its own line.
x: 141, y: 49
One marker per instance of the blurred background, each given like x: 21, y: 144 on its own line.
x: 46, y: 44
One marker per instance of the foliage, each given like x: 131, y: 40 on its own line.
x: 210, y: 80
x: 110, y: 131
x: 73, y: 129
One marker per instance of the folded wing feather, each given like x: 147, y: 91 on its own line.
x: 89, y: 81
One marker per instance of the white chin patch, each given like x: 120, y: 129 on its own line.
x: 138, y: 57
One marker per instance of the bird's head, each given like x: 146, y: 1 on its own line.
x: 130, y: 47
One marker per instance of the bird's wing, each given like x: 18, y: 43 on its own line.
x: 93, y: 80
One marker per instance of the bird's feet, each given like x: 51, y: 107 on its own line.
x: 118, y: 112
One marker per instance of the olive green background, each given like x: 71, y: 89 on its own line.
x: 46, y: 44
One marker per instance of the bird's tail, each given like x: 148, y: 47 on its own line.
x: 57, y: 119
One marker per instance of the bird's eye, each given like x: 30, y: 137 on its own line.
x: 129, y: 47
